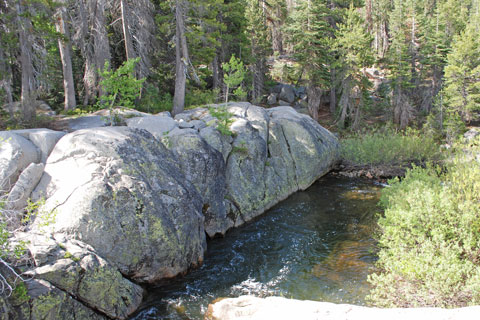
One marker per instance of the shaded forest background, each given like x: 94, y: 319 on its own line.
x: 412, y: 61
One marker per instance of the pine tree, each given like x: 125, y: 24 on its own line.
x: 257, y: 32
x: 462, y: 74
x: 353, y: 45
x: 309, y: 32
x: 399, y: 63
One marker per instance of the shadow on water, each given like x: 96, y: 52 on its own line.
x: 316, y: 245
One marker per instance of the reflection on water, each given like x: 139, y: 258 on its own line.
x: 316, y: 245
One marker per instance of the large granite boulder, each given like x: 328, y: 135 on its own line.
x: 16, y: 153
x: 20, y: 193
x: 279, y: 308
x: 45, y: 301
x: 120, y: 191
x: 204, y: 167
x: 275, y: 153
x: 158, y: 126
x: 270, y: 155
x: 134, y: 204
x: 44, y: 139
x: 287, y: 93
x: 75, y: 268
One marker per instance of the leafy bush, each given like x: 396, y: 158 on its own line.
x: 430, y: 238
x: 120, y: 85
x: 389, y: 147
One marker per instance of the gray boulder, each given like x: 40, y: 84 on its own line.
x: 277, y: 88
x: 198, y: 124
x: 275, y: 153
x: 313, y: 148
x: 158, y: 126
x: 471, y: 134
x: 217, y: 141
x: 86, y: 122
x: 45, y: 301
x: 20, y: 193
x: 204, y: 167
x: 272, y: 99
x: 76, y: 269
x: 287, y: 93
x: 44, y: 139
x: 120, y: 191
x: 283, y: 103
x: 16, y: 153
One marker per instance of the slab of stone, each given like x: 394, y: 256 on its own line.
x: 158, y: 126
x: 279, y: 308
x: 87, y: 122
x: 44, y: 139
x: 20, y: 193
x: 16, y: 153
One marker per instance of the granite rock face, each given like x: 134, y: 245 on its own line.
x: 121, y: 191
x: 135, y: 204
x: 16, y: 153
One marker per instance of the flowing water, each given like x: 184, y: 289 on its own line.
x: 316, y: 245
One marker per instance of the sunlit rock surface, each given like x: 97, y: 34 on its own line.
x: 279, y: 308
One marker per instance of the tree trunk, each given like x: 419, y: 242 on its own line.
x: 127, y: 35
x: 181, y: 52
x: 28, y: 82
x: 6, y: 82
x: 368, y: 15
x: 258, y: 74
x: 333, y: 91
x: 215, y: 72
x: 345, y: 102
x: 277, y: 36
x: 402, y: 108
x: 65, y: 56
x: 97, y: 51
x: 314, y: 98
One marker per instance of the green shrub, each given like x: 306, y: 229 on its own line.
x: 224, y: 119
x: 120, y: 86
x: 389, y: 147
x: 430, y: 238
x: 197, y: 97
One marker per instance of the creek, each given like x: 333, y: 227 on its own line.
x: 316, y: 245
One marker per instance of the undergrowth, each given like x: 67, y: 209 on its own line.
x: 389, y: 147
x: 430, y: 237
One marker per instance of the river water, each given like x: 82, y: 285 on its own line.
x: 316, y: 245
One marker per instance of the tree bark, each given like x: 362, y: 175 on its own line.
x: 28, y: 82
x: 180, y: 61
x: 314, y: 98
x: 97, y: 51
x: 127, y: 35
x: 6, y: 81
x: 65, y: 56
x: 333, y: 91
